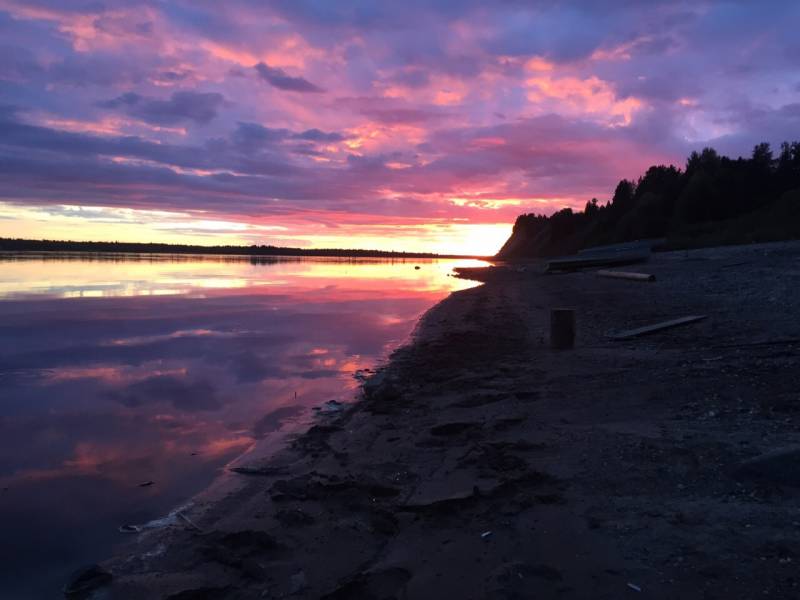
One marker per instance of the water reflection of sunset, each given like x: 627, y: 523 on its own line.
x: 106, y: 384
x: 168, y: 275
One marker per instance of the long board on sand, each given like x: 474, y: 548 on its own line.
x: 626, y: 275
x: 630, y: 333
x: 574, y: 263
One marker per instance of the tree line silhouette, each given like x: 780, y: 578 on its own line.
x: 26, y: 245
x: 714, y: 200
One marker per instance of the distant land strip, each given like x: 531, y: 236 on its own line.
x: 23, y: 245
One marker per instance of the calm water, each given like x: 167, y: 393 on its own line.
x: 125, y: 370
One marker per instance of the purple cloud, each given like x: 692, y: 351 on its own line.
x: 429, y: 106
x: 316, y: 135
x: 392, y: 112
x: 412, y: 78
x: 181, y: 106
x: 280, y: 79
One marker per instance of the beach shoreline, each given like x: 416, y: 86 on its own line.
x: 480, y: 463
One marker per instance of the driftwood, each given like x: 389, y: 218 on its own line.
x: 575, y: 263
x: 626, y: 275
x: 188, y: 521
x: 624, y: 335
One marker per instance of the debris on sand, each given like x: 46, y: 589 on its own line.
x: 626, y: 275
x: 630, y: 333
x: 634, y: 587
x: 187, y: 520
x: 576, y: 263
x: 440, y: 502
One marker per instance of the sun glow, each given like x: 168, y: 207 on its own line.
x: 92, y: 223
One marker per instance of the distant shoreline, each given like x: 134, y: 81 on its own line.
x: 25, y: 245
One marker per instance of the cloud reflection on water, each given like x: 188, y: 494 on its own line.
x: 102, y: 393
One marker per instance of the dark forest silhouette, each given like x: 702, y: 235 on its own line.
x: 715, y: 200
x: 24, y: 245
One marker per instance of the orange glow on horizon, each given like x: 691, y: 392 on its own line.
x: 450, y: 236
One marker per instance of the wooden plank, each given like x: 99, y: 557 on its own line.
x: 575, y: 263
x: 630, y: 333
x: 626, y: 275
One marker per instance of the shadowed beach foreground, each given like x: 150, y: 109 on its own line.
x: 482, y: 464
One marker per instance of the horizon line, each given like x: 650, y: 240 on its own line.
x: 242, y: 248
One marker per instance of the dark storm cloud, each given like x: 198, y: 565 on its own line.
x: 316, y: 135
x: 280, y: 79
x: 180, y: 107
x: 249, y: 137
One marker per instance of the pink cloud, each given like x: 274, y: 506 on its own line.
x: 433, y: 112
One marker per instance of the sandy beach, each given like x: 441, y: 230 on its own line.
x: 482, y: 464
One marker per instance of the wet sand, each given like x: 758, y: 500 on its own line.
x: 482, y: 464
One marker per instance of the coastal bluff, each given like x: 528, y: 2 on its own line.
x: 713, y: 201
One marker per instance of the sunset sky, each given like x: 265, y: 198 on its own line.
x: 408, y: 125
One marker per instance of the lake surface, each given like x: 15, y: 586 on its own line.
x: 120, y: 370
